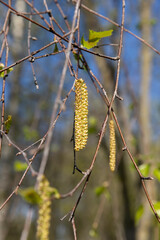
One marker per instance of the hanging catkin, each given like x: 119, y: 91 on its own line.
x: 112, y: 156
x: 43, y: 223
x: 81, y: 114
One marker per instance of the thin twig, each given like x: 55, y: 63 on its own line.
x: 116, y: 24
x: 29, y: 50
x: 74, y: 229
x: 10, y: 142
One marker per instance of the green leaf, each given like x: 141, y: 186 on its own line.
x: 55, y: 48
x: 54, y: 192
x: 30, y: 134
x: 98, y: 35
x: 19, y: 166
x: 76, y: 56
x: 30, y: 195
x: 99, y: 190
x: 144, y: 169
x: 156, y: 173
x: 157, y: 207
x: 8, y: 70
x: 94, y: 38
x: 93, y: 233
x: 92, y: 122
x: 8, y: 124
x: 139, y: 213
x: 1, y: 66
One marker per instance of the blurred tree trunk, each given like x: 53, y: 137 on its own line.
x: 146, y: 61
x: 144, y: 229
x: 7, y: 174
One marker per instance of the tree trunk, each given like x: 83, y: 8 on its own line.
x: 145, y: 225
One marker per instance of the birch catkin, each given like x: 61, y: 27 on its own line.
x: 43, y: 223
x: 112, y: 156
x: 81, y: 114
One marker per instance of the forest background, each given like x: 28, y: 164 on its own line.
x: 38, y: 94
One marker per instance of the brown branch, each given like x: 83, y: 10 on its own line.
x: 4, y: 81
x: 63, y: 15
x: 29, y: 51
x: 17, y: 187
x: 116, y: 24
x: 10, y: 142
x: 74, y: 229
x: 119, y: 55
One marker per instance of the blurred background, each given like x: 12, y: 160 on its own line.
x: 114, y: 206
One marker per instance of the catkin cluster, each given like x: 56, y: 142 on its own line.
x: 43, y: 223
x: 112, y: 156
x: 81, y: 114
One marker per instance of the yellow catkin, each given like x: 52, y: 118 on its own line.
x: 112, y: 156
x: 43, y: 222
x: 81, y: 114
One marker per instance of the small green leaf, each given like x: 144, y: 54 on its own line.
x: 30, y: 195
x: 139, y: 213
x: 144, y: 169
x: 93, y: 233
x: 92, y: 122
x: 54, y: 192
x: 156, y: 173
x: 89, y: 44
x: 1, y: 66
x: 99, y: 190
x: 8, y: 124
x: 55, y: 48
x: 94, y: 38
x: 30, y: 134
x: 98, y: 35
x: 76, y: 56
x: 157, y: 207
x: 20, y: 166
x: 8, y: 70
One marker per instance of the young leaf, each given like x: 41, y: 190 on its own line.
x: 55, y: 48
x: 89, y: 44
x: 2, y: 73
x: 8, y: 123
x: 9, y: 70
x: 156, y: 173
x: 93, y: 233
x: 1, y: 66
x: 98, y: 35
x: 30, y: 134
x: 30, y: 195
x: 99, y: 190
x: 139, y: 213
x: 157, y: 207
x: 54, y: 192
x: 144, y: 169
x: 92, y: 121
x: 19, y: 166
x: 94, y: 38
